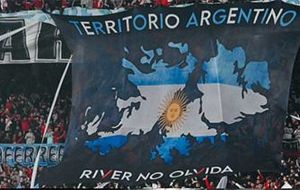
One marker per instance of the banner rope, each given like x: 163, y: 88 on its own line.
x: 37, y: 159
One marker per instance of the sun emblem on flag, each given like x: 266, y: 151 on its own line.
x: 173, y: 111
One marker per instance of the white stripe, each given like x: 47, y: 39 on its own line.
x: 295, y: 117
x: 222, y: 183
x: 238, y: 185
x: 9, y: 34
x: 36, y: 163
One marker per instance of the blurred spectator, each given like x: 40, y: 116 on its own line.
x: 50, y: 5
x: 288, y: 131
x: 25, y: 125
x: 59, y: 134
x: 49, y: 136
x: 29, y: 137
x: 11, y: 6
x: 4, y: 6
x: 18, y: 5
x: 98, y: 4
x: 64, y: 4
x: 163, y: 3
x: 27, y: 5
x: 209, y: 184
x: 38, y: 4
x: 87, y: 4
x: 19, y: 138
x: 297, y: 133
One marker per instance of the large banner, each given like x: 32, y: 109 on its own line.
x: 167, y: 93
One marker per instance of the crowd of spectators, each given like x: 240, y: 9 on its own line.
x: 23, y: 119
x: 291, y: 131
x: 14, y: 177
x: 291, y: 136
x: 24, y: 110
x: 292, y: 126
x: 26, y: 94
x: 10, y: 6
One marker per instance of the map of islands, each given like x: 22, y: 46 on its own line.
x: 166, y: 100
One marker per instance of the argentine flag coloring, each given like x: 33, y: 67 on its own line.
x: 172, y: 102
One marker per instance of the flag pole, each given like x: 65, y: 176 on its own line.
x: 37, y: 159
